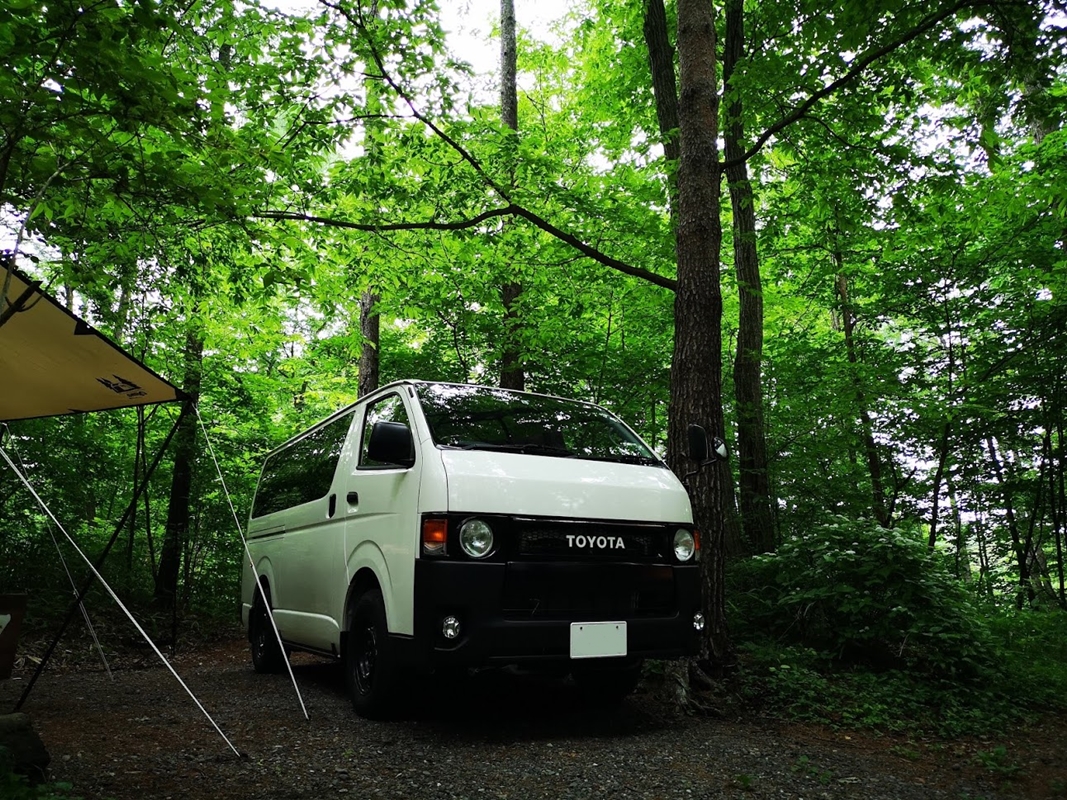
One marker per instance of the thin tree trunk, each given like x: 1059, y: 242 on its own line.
x: 664, y: 87
x: 874, y: 462
x: 983, y: 559
x: 138, y: 452
x: 369, y: 318
x: 939, y: 474
x: 177, y: 528
x: 512, y: 375
x: 963, y: 559
x: 1060, y: 522
x: 370, y: 333
x: 1013, y: 528
x: 754, y: 491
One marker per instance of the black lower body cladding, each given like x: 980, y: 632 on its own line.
x: 520, y: 612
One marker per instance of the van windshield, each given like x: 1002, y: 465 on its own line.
x: 484, y: 418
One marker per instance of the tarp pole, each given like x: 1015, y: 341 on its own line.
x: 186, y: 408
x: 118, y: 602
x: 252, y: 564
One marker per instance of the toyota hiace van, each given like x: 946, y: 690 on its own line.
x: 436, y: 527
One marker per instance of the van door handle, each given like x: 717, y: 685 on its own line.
x: 353, y: 498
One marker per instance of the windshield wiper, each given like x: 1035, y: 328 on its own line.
x: 629, y: 458
x: 530, y: 448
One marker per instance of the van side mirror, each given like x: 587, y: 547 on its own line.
x: 391, y: 443
x: 705, y: 450
x: 698, y: 444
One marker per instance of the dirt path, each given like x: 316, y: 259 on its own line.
x: 498, y: 736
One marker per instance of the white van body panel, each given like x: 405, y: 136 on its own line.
x: 265, y: 571
x: 514, y: 483
x: 385, y: 516
x: 305, y: 568
x: 386, y: 520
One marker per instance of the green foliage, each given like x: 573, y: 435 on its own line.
x: 999, y: 762
x: 149, y: 146
x: 14, y: 786
x: 857, y: 593
x: 793, y: 683
x: 884, y: 637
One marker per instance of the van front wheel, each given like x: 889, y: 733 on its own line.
x: 370, y: 667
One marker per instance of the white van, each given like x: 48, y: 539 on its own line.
x: 435, y: 526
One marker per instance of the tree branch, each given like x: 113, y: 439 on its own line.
x: 512, y: 209
x: 378, y: 227
x: 857, y: 69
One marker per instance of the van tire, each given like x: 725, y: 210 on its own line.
x: 370, y: 663
x: 268, y: 658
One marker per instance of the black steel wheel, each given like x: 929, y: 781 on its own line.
x: 267, y: 655
x: 370, y: 665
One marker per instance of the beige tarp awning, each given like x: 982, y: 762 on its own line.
x: 52, y: 362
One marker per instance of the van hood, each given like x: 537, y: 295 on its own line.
x: 489, y: 482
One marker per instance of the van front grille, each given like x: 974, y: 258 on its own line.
x: 587, y: 591
x: 597, y: 541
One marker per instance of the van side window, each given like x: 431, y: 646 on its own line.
x: 303, y: 471
x: 388, y: 409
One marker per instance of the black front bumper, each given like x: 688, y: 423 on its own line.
x: 521, y: 611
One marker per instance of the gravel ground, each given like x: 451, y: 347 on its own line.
x: 497, y: 736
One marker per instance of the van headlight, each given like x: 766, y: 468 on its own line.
x: 476, y: 538
x: 685, y: 545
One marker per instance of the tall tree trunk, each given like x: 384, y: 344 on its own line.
x: 754, y: 482
x: 664, y: 87
x: 696, y: 372
x: 1013, y: 528
x: 1058, y: 497
x: 665, y: 91
x: 939, y: 475
x: 369, y: 319
x: 512, y: 375
x: 177, y: 528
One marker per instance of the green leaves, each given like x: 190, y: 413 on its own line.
x: 859, y: 593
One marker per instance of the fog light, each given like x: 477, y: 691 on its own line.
x: 450, y: 627
x: 698, y: 621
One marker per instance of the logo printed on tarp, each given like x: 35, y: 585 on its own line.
x: 122, y: 386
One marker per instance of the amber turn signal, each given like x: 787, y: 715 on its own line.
x: 434, y: 536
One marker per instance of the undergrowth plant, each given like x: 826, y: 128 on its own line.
x: 857, y: 593
x: 14, y: 786
x: 859, y: 626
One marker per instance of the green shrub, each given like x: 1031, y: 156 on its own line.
x: 856, y: 593
x: 798, y: 684
x: 16, y: 787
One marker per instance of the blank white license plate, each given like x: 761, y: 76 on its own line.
x: 598, y: 639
